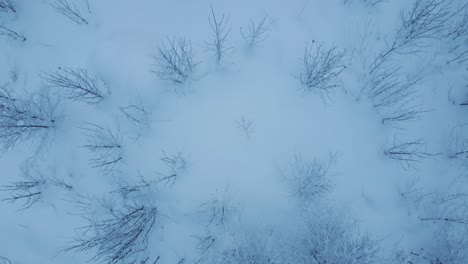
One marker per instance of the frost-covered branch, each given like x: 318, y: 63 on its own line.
x: 333, y: 238
x: 69, y: 9
x: 218, y: 45
x: 407, y: 153
x: 174, y: 61
x: 256, y: 32
x: 106, y: 147
x: 7, y: 5
x: 121, y: 237
x: 4, y: 31
x: 321, y: 69
x: 78, y: 85
x: 23, y: 119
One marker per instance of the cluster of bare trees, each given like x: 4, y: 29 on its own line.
x: 392, y: 93
x: 174, y: 61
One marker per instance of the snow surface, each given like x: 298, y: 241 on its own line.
x: 200, y: 121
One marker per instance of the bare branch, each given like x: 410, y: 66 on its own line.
x: 28, y: 191
x: 407, y: 153
x: 69, y: 9
x: 11, y: 34
x: 78, y: 85
x: 7, y: 5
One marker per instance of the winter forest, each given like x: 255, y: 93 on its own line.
x: 234, y: 132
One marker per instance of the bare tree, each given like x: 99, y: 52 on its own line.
x: 106, y: 147
x: 7, y: 5
x: 246, y: 126
x: 69, y: 9
x: 218, y: 45
x: 78, y: 85
x: 321, y: 69
x: 23, y: 119
x: 256, y: 32
x: 121, y: 237
x: 407, y: 153
x: 310, y: 180
x: 174, y: 61
x: 27, y: 191
x: 4, y: 31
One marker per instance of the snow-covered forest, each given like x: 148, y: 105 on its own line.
x: 232, y: 132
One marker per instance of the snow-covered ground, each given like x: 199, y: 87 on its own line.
x: 309, y: 131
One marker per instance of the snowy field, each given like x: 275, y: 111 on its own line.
x: 256, y: 132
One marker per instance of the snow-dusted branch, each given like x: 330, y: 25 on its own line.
x: 69, y: 9
x: 218, y: 45
x: 7, y: 5
x: 174, y: 61
x: 321, y: 69
x: 256, y: 32
x: 407, y: 153
x: 106, y: 147
x: 78, y: 85
x: 22, y: 119
x: 4, y: 31
x: 122, y: 237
